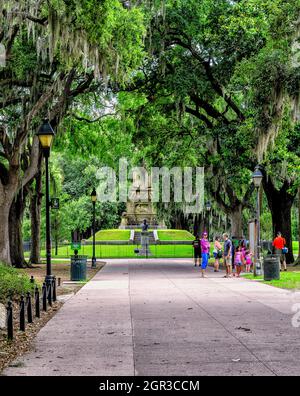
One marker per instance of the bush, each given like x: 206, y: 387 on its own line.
x: 12, y: 283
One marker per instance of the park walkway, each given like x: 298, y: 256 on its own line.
x: 158, y: 317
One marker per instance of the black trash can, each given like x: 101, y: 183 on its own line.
x: 272, y: 267
x: 78, y: 268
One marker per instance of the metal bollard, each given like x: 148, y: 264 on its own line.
x: 58, y: 281
x: 22, y: 313
x: 44, y: 294
x: 54, y: 288
x: 49, y: 292
x: 32, y: 279
x: 29, y: 307
x: 37, y: 302
x: 10, y: 329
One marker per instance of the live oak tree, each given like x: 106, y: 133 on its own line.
x: 282, y: 180
x: 233, y: 67
x: 55, y: 52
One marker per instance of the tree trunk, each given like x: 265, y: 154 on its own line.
x: 198, y: 226
x: 281, y: 219
x: 4, y: 233
x: 236, y: 219
x: 298, y: 259
x: 280, y: 204
x: 7, y: 193
x: 35, y: 217
x: 15, y: 230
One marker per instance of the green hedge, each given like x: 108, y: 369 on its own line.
x: 13, y: 283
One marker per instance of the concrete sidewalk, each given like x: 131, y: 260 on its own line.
x: 158, y: 317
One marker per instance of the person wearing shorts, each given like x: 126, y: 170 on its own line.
x: 205, y: 247
x: 217, y: 253
x: 227, y: 255
x: 239, y: 260
x: 279, y: 243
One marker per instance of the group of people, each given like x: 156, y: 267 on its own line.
x: 235, y: 258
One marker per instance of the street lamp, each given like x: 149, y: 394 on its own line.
x: 46, y: 135
x: 94, y: 199
x: 208, y: 210
x: 257, y: 177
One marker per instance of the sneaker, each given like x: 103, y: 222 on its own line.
x: 285, y: 269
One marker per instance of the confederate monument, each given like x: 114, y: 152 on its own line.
x: 139, y: 206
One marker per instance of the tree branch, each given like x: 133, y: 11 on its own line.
x: 207, y: 67
x: 200, y: 116
x: 79, y: 118
x: 32, y: 169
x: 210, y: 110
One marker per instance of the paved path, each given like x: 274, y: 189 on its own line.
x: 158, y: 317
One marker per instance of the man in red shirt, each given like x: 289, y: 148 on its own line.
x: 279, y: 243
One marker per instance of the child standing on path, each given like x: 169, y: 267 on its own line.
x: 239, y: 260
x: 248, y: 260
x: 205, y: 247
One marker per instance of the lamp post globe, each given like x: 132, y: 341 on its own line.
x: 46, y: 136
x: 94, y: 199
x: 257, y: 177
x: 94, y: 195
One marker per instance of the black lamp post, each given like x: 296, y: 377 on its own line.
x: 94, y: 199
x: 46, y: 135
x: 208, y: 210
x: 257, y: 177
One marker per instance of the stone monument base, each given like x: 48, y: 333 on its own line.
x: 145, y: 248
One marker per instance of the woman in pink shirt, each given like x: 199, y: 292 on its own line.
x: 205, y: 247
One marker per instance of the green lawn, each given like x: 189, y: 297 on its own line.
x: 175, y: 235
x: 125, y: 251
x: 112, y: 235
x: 288, y: 280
